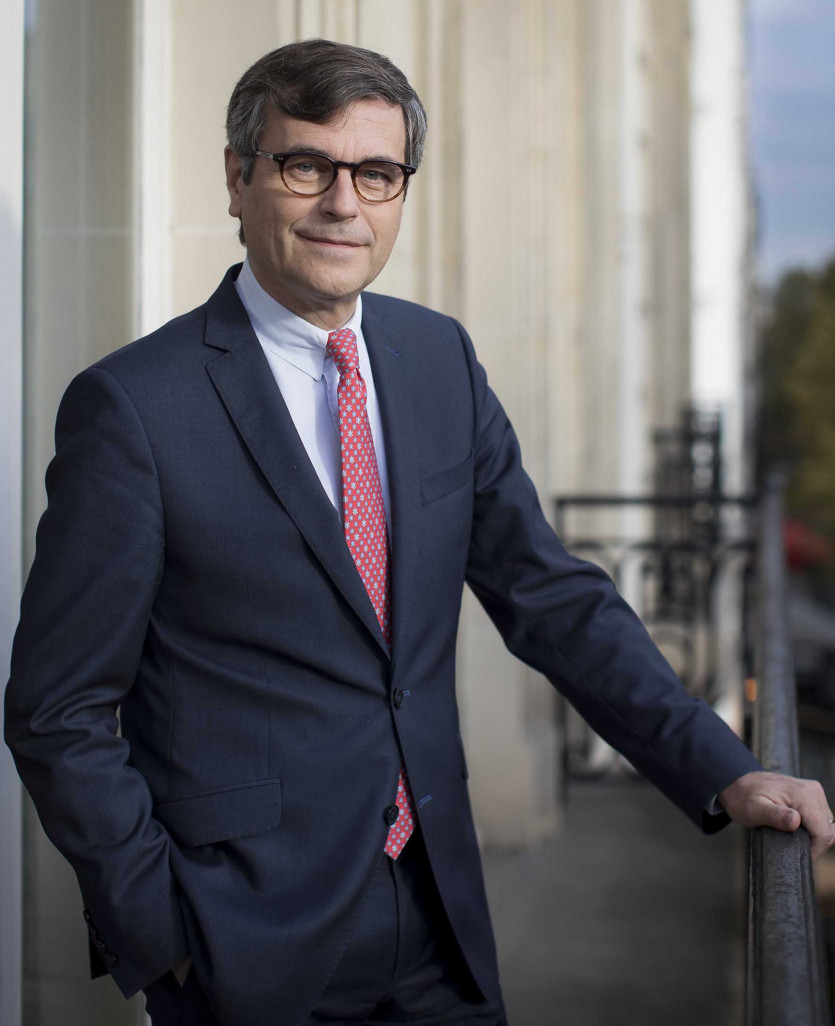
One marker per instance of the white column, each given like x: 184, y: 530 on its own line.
x: 11, y: 494
x: 720, y: 259
x: 719, y: 213
x: 633, y: 442
x: 151, y: 142
x: 79, y: 304
x: 507, y: 234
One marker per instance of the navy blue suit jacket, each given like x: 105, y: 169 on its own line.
x: 191, y: 570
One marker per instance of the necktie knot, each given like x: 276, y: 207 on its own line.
x: 342, y: 346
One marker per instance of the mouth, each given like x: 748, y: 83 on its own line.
x: 332, y: 243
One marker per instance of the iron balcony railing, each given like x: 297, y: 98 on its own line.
x: 682, y: 559
x: 672, y: 556
x: 787, y: 983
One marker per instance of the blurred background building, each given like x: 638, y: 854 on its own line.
x: 584, y: 208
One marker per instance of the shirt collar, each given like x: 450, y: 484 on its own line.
x: 291, y: 337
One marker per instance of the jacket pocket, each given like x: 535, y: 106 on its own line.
x: 445, y: 481
x: 220, y: 815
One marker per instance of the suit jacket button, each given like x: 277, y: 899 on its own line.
x: 110, y: 959
x: 398, y: 698
x: 392, y: 812
x: 100, y: 945
x: 87, y: 916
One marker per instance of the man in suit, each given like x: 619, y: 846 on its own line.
x: 260, y: 521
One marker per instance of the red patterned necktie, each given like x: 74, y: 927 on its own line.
x: 364, y: 524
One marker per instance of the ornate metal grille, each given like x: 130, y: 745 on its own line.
x: 682, y: 557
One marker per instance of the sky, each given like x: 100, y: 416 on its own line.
x: 792, y: 131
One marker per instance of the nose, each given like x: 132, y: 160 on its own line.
x: 340, y: 200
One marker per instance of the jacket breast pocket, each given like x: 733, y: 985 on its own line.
x: 436, y: 486
x: 223, y: 814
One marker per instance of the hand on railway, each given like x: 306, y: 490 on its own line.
x: 783, y: 803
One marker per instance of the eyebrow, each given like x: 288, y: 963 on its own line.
x: 324, y: 153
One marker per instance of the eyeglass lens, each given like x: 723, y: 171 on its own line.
x: 308, y: 174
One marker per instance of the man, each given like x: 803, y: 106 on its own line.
x: 260, y: 521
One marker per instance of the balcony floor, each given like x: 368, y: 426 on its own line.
x: 630, y: 916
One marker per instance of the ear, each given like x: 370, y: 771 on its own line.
x: 234, y: 182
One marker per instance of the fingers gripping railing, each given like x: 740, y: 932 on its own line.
x: 786, y: 983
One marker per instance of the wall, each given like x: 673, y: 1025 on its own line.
x: 78, y: 305
x: 11, y: 494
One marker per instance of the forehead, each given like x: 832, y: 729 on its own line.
x: 366, y: 128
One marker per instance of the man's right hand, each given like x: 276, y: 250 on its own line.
x: 181, y: 969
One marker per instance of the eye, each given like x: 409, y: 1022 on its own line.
x: 307, y: 164
x: 376, y: 174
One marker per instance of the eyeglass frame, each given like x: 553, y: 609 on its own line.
x: 280, y: 158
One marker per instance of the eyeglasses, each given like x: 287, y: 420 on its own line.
x: 310, y: 174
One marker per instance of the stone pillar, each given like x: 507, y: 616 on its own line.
x: 719, y: 211
x: 721, y: 274
x: 618, y: 292
x: 11, y: 495
x: 79, y: 305
x: 669, y: 153
x: 509, y: 207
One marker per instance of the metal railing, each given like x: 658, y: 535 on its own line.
x: 786, y: 979
x: 680, y: 553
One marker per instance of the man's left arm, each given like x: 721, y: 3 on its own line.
x: 564, y: 617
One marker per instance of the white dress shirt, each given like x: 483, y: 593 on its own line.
x: 307, y: 378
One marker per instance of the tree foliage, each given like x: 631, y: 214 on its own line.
x: 798, y: 408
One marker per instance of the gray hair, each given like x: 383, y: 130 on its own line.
x: 314, y: 80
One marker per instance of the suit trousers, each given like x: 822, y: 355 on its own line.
x: 401, y: 963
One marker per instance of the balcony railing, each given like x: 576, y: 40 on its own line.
x: 787, y: 983
x: 677, y: 559
x: 681, y: 561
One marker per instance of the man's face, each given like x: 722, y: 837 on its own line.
x: 315, y: 254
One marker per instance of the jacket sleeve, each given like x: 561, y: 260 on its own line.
x: 564, y: 617
x: 83, y: 618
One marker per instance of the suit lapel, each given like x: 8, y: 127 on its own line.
x: 245, y: 383
x: 388, y: 352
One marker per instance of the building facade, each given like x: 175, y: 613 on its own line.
x: 583, y: 208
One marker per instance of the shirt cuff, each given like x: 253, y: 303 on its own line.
x: 713, y: 808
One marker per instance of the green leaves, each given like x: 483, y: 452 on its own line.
x: 798, y: 410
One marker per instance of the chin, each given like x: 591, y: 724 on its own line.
x: 336, y: 288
